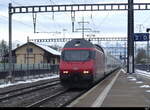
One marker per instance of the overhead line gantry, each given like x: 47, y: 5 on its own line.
x: 77, y: 7
x: 91, y: 39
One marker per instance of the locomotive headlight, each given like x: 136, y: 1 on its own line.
x: 86, y: 72
x: 65, y: 72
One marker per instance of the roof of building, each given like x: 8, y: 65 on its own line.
x: 48, y: 49
x: 44, y: 47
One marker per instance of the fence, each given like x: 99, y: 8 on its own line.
x: 19, y: 67
x: 22, y: 70
x: 142, y: 67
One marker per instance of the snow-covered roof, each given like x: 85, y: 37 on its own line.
x: 44, y: 47
x: 48, y: 49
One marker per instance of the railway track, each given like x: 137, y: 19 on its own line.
x: 26, y: 90
x: 29, y: 86
x: 59, y: 99
x: 50, y: 94
x: 50, y: 100
x: 40, y: 102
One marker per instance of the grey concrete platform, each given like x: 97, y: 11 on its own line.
x: 127, y: 91
x: 117, y: 90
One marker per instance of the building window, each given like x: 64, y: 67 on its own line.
x: 53, y: 61
x: 29, y: 50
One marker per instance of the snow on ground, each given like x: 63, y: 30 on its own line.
x: 29, y: 81
x: 144, y: 73
x: 145, y: 86
x: 131, y: 78
x: 141, y: 72
x: 139, y: 82
x: 147, y: 91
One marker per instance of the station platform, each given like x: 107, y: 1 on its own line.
x: 119, y: 90
x: 127, y: 91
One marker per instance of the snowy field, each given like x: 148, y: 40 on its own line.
x: 29, y: 81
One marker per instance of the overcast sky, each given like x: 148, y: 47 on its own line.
x: 113, y: 23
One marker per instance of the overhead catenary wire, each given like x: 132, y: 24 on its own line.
x: 146, y: 20
x: 16, y: 21
x: 14, y: 2
x: 54, y: 2
x: 17, y: 3
x: 53, y: 13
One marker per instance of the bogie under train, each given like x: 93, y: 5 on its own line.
x: 83, y: 63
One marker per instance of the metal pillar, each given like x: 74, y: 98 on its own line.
x: 130, y: 59
x: 125, y: 56
x: 148, y: 67
x: 148, y: 55
x: 73, y: 20
x: 27, y: 59
x: 10, y: 42
x: 83, y: 27
x: 34, y: 15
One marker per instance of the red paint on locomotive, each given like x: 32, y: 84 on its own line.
x: 83, y: 63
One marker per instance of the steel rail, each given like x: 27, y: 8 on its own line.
x: 19, y: 89
x: 26, y: 91
x: 38, y: 103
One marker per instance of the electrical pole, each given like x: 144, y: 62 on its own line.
x: 148, y: 68
x: 10, y: 43
x: 27, y: 59
x: 130, y: 59
x: 64, y: 30
x: 83, y: 27
x: 34, y: 21
x: 125, y: 53
x: 73, y: 20
x: 140, y: 26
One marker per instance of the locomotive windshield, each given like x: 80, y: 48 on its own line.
x: 76, y: 55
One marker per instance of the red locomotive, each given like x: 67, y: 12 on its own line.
x: 83, y: 63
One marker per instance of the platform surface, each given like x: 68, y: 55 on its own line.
x: 118, y: 90
x: 128, y: 91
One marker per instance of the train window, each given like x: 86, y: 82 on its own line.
x: 92, y: 54
x: 76, y: 55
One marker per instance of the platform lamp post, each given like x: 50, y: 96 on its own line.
x: 148, y: 68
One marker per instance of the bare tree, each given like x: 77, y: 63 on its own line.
x: 141, y: 56
x: 4, y: 49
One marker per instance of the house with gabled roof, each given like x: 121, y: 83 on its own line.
x: 34, y: 53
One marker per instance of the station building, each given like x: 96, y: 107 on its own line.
x: 33, y: 53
